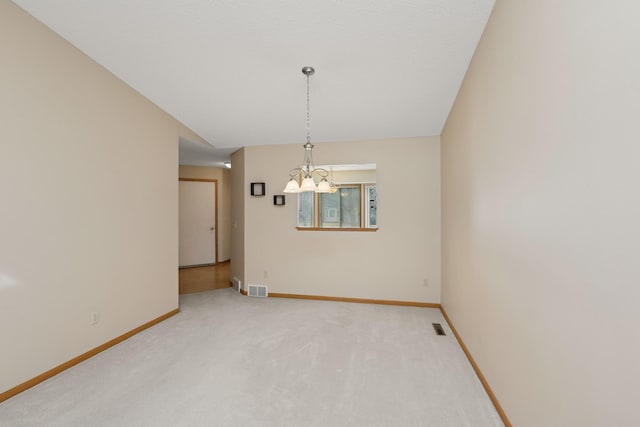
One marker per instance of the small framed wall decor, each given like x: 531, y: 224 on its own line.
x: 278, y: 200
x: 258, y: 189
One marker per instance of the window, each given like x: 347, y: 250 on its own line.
x: 353, y: 206
x: 371, y: 206
x: 340, y: 209
x: 305, y: 209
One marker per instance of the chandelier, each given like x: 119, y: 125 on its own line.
x: 307, y: 171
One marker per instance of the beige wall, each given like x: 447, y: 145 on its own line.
x: 391, y: 263
x: 237, y: 214
x: 541, y: 211
x: 224, y: 203
x: 89, y: 202
x: 350, y: 177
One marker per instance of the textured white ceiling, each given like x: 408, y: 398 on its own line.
x: 230, y: 70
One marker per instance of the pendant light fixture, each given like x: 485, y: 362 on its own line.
x: 308, y: 169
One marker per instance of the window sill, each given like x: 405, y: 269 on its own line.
x: 335, y: 229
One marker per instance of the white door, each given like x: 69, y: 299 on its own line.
x: 197, y: 240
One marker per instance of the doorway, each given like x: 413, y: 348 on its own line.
x: 198, y: 222
x: 207, y: 278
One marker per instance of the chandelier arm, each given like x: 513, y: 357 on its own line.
x: 323, y: 173
x: 295, y: 172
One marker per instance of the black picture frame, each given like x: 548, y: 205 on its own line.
x: 278, y: 200
x: 258, y: 189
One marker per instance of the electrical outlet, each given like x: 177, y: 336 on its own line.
x: 95, y: 317
x: 426, y: 282
x: 266, y: 275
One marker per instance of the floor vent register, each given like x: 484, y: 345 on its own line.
x: 438, y: 328
x: 258, y: 291
x: 237, y: 285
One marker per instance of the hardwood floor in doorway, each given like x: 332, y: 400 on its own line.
x: 199, y: 279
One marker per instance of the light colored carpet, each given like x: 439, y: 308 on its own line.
x: 229, y: 360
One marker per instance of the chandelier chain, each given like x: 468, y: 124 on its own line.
x: 308, y: 128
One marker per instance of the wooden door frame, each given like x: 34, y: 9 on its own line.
x: 215, y: 185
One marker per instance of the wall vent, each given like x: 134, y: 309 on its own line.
x: 438, y: 328
x: 258, y: 291
x: 237, y: 284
